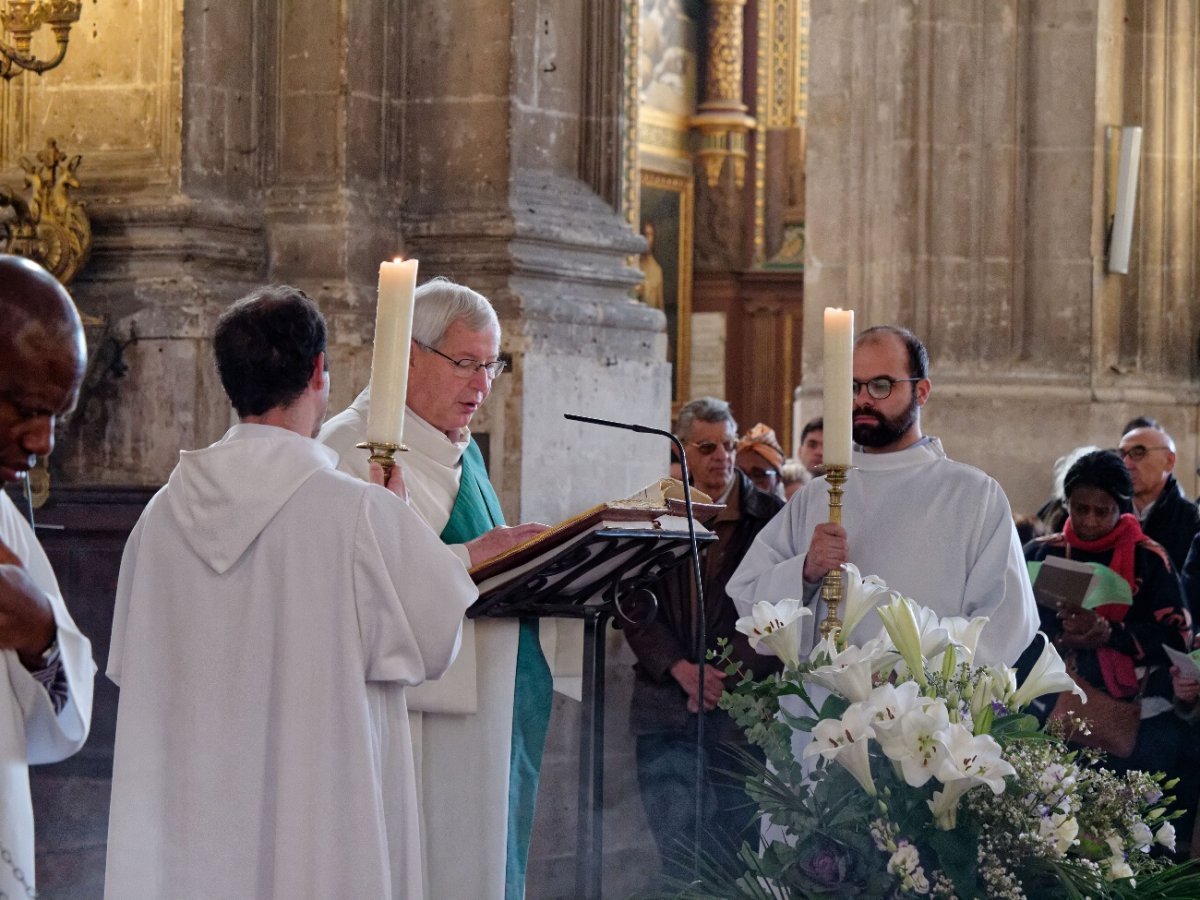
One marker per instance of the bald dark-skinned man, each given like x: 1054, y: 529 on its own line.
x: 47, y: 671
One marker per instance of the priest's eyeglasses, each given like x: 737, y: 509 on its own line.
x: 466, y: 367
x: 708, y: 448
x: 1137, y: 452
x: 880, y: 388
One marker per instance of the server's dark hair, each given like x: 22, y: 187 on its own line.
x: 265, y: 346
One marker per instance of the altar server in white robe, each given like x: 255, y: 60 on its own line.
x: 938, y: 531
x: 271, y: 613
x: 47, y: 671
x: 490, y: 712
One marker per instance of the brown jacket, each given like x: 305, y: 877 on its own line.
x: 659, y: 703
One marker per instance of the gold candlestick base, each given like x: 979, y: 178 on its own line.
x: 382, y: 453
x: 831, y: 584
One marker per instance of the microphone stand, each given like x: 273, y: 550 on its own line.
x: 701, y: 622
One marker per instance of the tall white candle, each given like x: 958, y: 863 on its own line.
x: 393, y: 339
x: 839, y: 369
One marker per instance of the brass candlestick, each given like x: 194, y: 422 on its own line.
x: 831, y: 584
x: 382, y: 453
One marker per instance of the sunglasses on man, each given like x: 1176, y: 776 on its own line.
x: 708, y: 448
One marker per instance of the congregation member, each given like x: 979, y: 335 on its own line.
x: 812, y: 447
x: 667, y: 692
x: 271, y: 612
x: 489, y: 715
x: 1053, y: 513
x: 1117, y: 648
x: 761, y: 458
x: 1165, y: 513
x: 46, y: 692
x: 938, y: 531
x: 794, y: 476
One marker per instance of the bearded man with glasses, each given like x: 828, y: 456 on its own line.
x: 936, y: 530
x: 478, y: 732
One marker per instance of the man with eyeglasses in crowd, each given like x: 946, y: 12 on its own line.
x: 667, y: 693
x: 1166, y: 515
x: 478, y: 732
x: 936, y: 530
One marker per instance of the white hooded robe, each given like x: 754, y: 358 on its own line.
x: 270, y: 612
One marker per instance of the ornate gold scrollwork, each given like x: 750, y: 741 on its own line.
x: 47, y: 225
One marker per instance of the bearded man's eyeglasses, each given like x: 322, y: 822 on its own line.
x: 466, y: 367
x: 879, y: 388
x: 1137, y: 452
x: 708, y: 448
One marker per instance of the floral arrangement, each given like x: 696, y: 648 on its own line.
x: 922, y: 776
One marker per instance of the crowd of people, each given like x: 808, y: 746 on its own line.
x: 305, y: 711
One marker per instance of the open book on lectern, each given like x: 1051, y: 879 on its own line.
x: 573, y: 559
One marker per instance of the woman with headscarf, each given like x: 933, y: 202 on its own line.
x: 1118, y: 648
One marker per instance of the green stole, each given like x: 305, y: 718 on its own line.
x: 477, y: 510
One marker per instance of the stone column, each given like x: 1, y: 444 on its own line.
x: 495, y: 194
x: 513, y: 166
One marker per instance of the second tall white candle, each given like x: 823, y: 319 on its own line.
x: 839, y: 372
x: 393, y: 340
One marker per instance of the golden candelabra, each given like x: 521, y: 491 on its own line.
x: 382, y: 453
x: 21, y: 19
x: 831, y: 584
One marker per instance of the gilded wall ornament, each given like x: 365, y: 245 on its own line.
x: 47, y: 225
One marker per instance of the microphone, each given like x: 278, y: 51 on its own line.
x: 701, y: 621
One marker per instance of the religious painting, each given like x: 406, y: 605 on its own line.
x: 666, y: 224
x: 669, y: 41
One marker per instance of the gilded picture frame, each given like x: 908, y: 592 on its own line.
x: 665, y: 219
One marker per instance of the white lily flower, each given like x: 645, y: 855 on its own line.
x: 974, y: 757
x: 862, y: 593
x: 900, y: 622
x: 891, y: 703
x: 917, y: 741
x: 963, y: 635
x: 1048, y: 676
x: 849, y: 672
x: 847, y: 740
x: 776, y: 626
x: 935, y: 636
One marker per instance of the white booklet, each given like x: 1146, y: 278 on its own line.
x: 1189, y: 666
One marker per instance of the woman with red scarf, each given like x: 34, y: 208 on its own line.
x: 1118, y: 648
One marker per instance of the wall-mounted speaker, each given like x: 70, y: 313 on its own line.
x: 1123, y: 194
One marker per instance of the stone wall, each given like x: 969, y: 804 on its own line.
x: 956, y: 165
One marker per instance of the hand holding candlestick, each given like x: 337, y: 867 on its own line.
x: 831, y: 584
x: 381, y: 453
